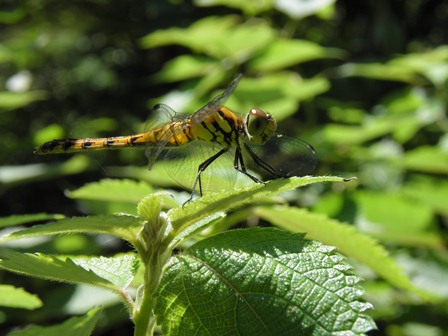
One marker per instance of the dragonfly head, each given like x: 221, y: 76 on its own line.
x: 259, y: 126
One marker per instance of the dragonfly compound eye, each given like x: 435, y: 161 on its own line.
x: 259, y: 126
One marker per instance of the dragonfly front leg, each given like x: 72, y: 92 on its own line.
x: 238, y: 164
x: 203, y: 166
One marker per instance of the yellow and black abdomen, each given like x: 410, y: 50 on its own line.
x: 174, y: 133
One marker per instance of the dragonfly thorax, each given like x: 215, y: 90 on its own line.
x: 259, y: 126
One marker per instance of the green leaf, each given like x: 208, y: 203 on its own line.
x: 433, y: 193
x: 18, y: 298
x: 267, y: 282
x: 398, y: 219
x: 379, y: 71
x: 426, y: 159
x: 122, y: 226
x: 185, y: 67
x: 183, y: 218
x: 332, y: 232
x: 75, y: 326
x: 113, y: 190
x: 218, y: 37
x: 119, y: 270
x: 284, y: 53
x: 279, y: 93
x: 50, y: 268
x: 23, y: 219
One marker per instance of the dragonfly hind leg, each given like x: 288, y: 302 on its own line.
x: 203, y: 166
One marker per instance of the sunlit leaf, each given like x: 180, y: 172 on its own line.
x: 267, y: 282
x: 50, y: 268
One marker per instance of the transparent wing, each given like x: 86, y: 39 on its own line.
x: 281, y: 156
x: 216, y: 102
x: 182, y: 163
x: 160, y: 115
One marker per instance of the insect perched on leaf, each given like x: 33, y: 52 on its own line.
x: 210, y: 145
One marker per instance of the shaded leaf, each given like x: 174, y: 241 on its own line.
x: 75, y: 326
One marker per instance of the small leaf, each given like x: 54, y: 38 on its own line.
x: 350, y: 242
x: 267, y: 282
x: 113, y: 190
x: 18, y: 298
x: 75, y: 326
x: 51, y: 268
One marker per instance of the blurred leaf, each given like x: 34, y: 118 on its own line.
x: 432, y: 64
x: 282, y: 53
x: 264, y: 280
x: 427, y: 272
x: 249, y: 7
x: 350, y: 242
x: 426, y: 159
x: 12, y: 16
x: 14, y: 100
x: 75, y: 326
x: 18, y: 298
x: 378, y: 71
x: 217, y: 37
x: 298, y: 9
x: 394, y: 218
x: 431, y: 192
x: 185, y: 67
x: 48, y: 133
x: 392, y: 213
x: 13, y: 175
x: 280, y: 93
x: 23, y: 219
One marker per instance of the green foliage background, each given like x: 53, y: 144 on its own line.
x: 364, y: 82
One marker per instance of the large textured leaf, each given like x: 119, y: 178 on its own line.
x: 260, y: 282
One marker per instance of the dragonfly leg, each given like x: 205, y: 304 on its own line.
x: 266, y: 166
x: 203, y: 166
x: 238, y: 164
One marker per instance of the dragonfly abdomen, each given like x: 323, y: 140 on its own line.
x: 77, y: 145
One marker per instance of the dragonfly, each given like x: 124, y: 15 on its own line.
x: 214, y: 138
